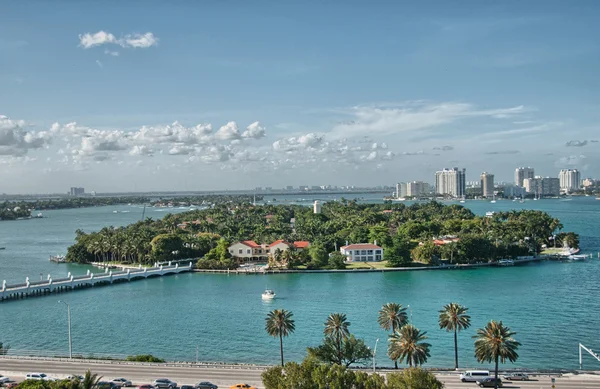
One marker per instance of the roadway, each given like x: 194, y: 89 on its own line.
x: 227, y: 375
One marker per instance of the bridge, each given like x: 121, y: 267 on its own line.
x: 71, y: 282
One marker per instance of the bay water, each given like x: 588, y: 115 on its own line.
x: 552, y: 306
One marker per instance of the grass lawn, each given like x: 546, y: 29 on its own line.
x: 366, y: 265
x: 553, y: 250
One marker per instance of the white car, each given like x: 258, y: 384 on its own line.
x: 122, y: 382
x: 39, y: 377
x: 3, y: 379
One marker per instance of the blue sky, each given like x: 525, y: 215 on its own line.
x: 166, y: 95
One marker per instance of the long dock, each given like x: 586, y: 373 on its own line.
x: 71, y: 282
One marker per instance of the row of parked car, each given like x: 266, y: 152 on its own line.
x: 119, y: 383
x: 483, y: 379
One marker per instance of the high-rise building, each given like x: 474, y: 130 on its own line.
x: 487, y: 184
x: 316, y: 207
x: 77, y: 191
x: 417, y: 189
x: 542, y: 186
x: 522, y: 173
x: 450, y: 182
x: 569, y: 180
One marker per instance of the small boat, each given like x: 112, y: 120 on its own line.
x: 577, y: 257
x: 506, y: 262
x: 57, y: 258
x: 268, y: 294
x: 489, y: 213
x: 462, y: 201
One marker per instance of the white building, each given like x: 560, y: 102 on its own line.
x: 569, y: 180
x: 362, y: 252
x: 316, y: 207
x: 542, y: 186
x: 412, y: 189
x: 521, y: 173
x: 487, y: 184
x: 450, y: 182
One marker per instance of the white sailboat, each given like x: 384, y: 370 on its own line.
x: 268, y: 294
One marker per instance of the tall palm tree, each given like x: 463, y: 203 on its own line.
x: 495, y: 343
x: 392, y: 316
x: 407, y: 342
x: 453, y: 317
x: 279, y: 322
x: 336, y: 327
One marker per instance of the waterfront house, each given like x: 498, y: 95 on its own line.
x: 362, y: 252
x: 250, y: 251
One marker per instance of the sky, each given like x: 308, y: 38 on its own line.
x: 213, y: 95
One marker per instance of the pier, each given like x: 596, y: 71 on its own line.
x: 71, y: 282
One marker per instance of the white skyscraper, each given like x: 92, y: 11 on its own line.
x: 487, y: 184
x: 522, y: 173
x: 569, y: 180
x: 450, y: 182
x: 316, y: 207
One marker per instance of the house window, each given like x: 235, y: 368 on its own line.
x: 377, y: 251
x: 370, y: 252
x: 248, y: 251
x: 267, y: 250
x: 363, y: 252
x: 260, y: 251
x: 378, y: 257
x: 241, y: 251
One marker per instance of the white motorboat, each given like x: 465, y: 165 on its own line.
x: 577, y: 257
x: 506, y: 262
x: 489, y: 213
x: 268, y: 294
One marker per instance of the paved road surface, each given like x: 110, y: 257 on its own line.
x: 225, y: 376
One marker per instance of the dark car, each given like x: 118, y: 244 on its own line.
x: 489, y: 383
x: 206, y: 385
x: 107, y: 385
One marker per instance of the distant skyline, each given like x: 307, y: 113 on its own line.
x: 139, y: 96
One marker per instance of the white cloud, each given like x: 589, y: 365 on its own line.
x: 111, y: 53
x: 228, y: 132
x: 254, y: 131
x: 142, y: 150
x: 16, y: 140
x: 89, y: 40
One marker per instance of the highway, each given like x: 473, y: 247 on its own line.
x: 227, y: 375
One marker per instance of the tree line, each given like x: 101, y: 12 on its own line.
x: 405, y: 232
x: 493, y: 343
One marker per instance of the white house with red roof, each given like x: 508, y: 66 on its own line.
x: 362, y: 252
x: 250, y: 251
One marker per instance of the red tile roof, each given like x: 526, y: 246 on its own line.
x: 250, y: 243
x: 361, y: 246
x: 301, y: 244
x: 277, y: 242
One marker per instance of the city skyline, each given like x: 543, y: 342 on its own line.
x: 139, y: 103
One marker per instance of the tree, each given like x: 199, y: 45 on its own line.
x: 337, y: 260
x: 165, y: 245
x: 351, y: 350
x: 89, y: 381
x: 318, y: 254
x: 407, y: 343
x: 495, y: 343
x: 336, y: 328
x: 279, y: 323
x: 220, y: 252
x: 392, y: 316
x: 453, y: 317
x: 425, y: 253
x: 413, y: 378
x: 399, y: 253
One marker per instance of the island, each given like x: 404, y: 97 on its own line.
x: 233, y: 232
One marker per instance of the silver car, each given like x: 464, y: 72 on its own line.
x: 122, y: 382
x: 164, y: 383
x: 516, y: 377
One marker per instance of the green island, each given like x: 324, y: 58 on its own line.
x: 421, y: 234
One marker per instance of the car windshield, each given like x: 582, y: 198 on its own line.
x: 43, y: 375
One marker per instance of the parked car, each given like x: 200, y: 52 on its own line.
x: 39, y: 377
x: 206, y: 385
x: 145, y: 386
x: 187, y: 387
x: 164, y: 383
x: 489, y: 383
x: 241, y: 386
x: 474, y: 375
x: 122, y: 382
x: 516, y: 377
x: 76, y: 377
x: 3, y: 379
x: 107, y: 385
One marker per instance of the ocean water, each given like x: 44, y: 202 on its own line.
x: 552, y: 306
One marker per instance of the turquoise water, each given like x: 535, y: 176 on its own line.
x: 552, y: 306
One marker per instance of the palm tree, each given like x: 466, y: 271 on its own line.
x: 89, y: 381
x: 336, y: 327
x: 407, y: 342
x: 392, y: 316
x: 453, y: 317
x: 495, y: 343
x: 279, y: 322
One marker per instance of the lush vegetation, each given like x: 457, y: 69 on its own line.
x: 495, y: 343
x: 279, y: 323
x: 9, y: 211
x: 311, y: 374
x: 405, y: 232
x: 144, y: 358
